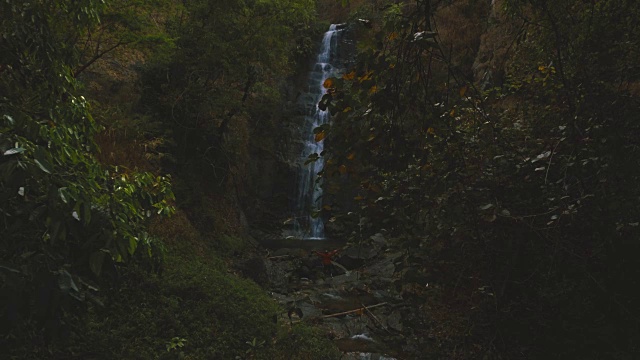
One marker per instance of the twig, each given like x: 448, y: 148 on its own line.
x: 279, y: 257
x: 346, y: 272
x: 549, y: 164
x: 97, y: 56
x: 374, y: 318
x: 353, y: 311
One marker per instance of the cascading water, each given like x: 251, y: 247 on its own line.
x: 307, y: 224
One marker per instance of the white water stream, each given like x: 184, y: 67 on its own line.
x: 308, y: 225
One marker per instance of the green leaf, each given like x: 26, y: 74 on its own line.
x: 133, y: 244
x: 96, y: 260
x: 62, y: 191
x: 324, y: 102
x: 7, y: 168
x: 65, y: 282
x: 14, y: 151
x: 54, y: 229
x: 40, y: 158
x: 9, y: 120
x: 121, y: 248
x: 86, y: 212
x: 312, y: 158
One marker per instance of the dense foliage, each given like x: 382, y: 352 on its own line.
x: 65, y: 217
x: 229, y: 63
x: 82, y: 274
x: 495, y: 141
x: 515, y: 194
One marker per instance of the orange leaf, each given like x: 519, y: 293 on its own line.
x: 463, y: 90
x: 342, y: 169
x: 349, y: 76
x: 366, y: 76
x: 320, y: 136
x: 431, y: 130
x: 375, y: 188
x: 328, y: 83
x: 351, y: 156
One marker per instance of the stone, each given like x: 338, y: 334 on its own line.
x: 382, y: 269
x: 378, y: 239
x: 345, y: 278
x: 394, y: 320
x: 282, y: 252
x: 361, y: 252
x: 265, y: 273
x: 308, y: 310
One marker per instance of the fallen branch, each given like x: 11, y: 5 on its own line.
x: 375, y: 318
x: 346, y: 272
x: 279, y: 257
x: 354, y: 311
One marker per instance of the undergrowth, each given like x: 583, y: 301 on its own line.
x: 191, y: 308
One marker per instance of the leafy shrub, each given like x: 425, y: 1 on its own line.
x: 302, y: 342
x: 216, y: 313
x: 65, y: 218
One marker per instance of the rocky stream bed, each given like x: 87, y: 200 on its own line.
x: 353, y: 292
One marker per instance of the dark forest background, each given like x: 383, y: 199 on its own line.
x: 143, y: 143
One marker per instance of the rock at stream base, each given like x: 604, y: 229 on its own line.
x: 265, y: 272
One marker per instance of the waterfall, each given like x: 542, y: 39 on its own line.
x: 308, y: 224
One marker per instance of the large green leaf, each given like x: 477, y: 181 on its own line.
x: 96, y: 260
x: 40, y: 157
x: 17, y: 150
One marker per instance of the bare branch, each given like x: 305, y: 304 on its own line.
x: 96, y: 57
